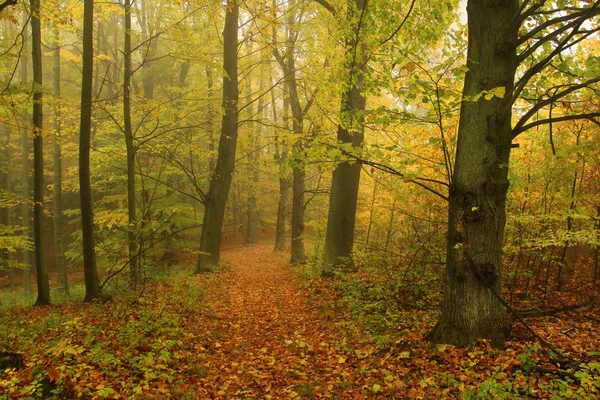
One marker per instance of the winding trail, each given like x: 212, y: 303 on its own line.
x: 267, y: 342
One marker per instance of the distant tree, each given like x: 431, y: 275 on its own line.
x: 63, y: 283
x: 130, y: 150
x: 26, y: 206
x: 220, y: 182
x: 287, y: 62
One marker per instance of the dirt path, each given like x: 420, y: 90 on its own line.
x: 267, y: 342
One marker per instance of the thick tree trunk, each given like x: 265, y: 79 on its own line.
x: 92, y: 286
x: 25, y: 209
x: 477, y: 203
x: 220, y: 183
x: 43, y: 285
x: 339, y: 239
x: 63, y: 284
x: 134, y: 270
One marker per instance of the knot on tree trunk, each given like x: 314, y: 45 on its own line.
x: 485, y: 272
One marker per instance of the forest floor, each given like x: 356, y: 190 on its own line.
x: 257, y: 330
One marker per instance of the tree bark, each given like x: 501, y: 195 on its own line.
x: 8, y: 216
x: 92, y: 286
x: 339, y: 239
x: 287, y: 62
x: 25, y: 209
x: 5, y: 212
x: 220, y: 183
x: 63, y: 283
x: 251, y: 201
x: 43, y: 285
x: 134, y: 270
x: 477, y: 201
x: 284, y: 181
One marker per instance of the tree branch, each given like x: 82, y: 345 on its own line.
x: 519, y: 127
x: 7, y: 3
x: 324, y: 3
x: 589, y: 116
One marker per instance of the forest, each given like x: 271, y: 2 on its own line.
x: 287, y: 199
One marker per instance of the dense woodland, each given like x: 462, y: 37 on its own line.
x: 416, y: 182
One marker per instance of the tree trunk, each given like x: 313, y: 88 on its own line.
x: 92, y: 286
x: 9, y: 211
x: 251, y: 210
x: 43, y: 285
x: 287, y: 62
x: 254, y: 171
x: 25, y: 209
x: 477, y: 201
x: 298, y: 188
x: 63, y: 284
x: 134, y: 270
x: 339, y: 239
x: 220, y: 183
x: 284, y: 181
x: 5, y: 218
x: 149, y: 51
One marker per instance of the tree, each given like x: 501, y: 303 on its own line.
x: 25, y: 208
x: 220, y: 182
x: 287, y: 62
x: 43, y: 285
x: 472, y: 307
x: 131, y: 194
x: 63, y: 284
x: 339, y: 239
x: 281, y: 150
x: 92, y: 286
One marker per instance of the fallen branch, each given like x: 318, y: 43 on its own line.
x: 550, y: 312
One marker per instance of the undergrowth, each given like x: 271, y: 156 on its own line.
x: 392, y: 307
x: 134, y: 345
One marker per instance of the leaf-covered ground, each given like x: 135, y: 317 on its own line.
x: 256, y: 330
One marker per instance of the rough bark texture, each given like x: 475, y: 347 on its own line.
x: 220, y: 183
x: 63, y: 283
x: 92, y: 286
x: 43, y: 286
x: 471, y: 308
x: 339, y: 239
x: 134, y: 269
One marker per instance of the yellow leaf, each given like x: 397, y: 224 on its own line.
x: 376, y: 388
